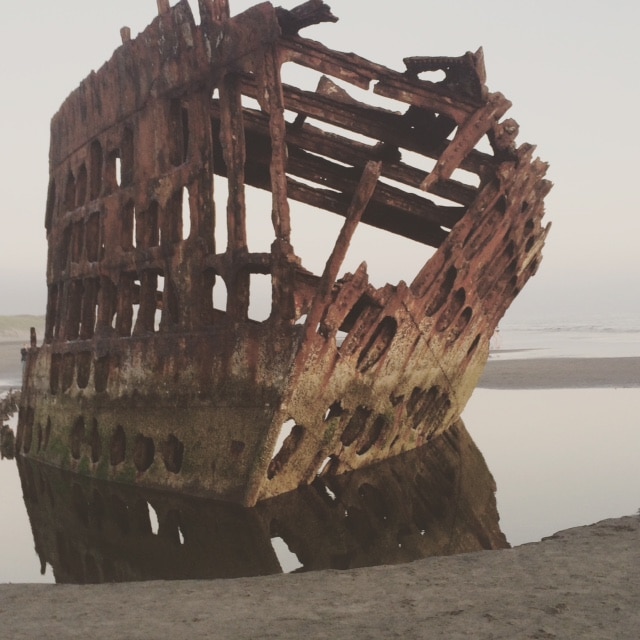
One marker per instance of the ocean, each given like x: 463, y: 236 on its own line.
x: 593, y: 337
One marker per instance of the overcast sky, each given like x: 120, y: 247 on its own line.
x: 570, y: 69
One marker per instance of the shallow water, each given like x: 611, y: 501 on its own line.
x: 560, y: 457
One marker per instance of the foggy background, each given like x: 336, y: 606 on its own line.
x: 570, y: 71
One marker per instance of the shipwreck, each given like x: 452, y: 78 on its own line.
x: 144, y: 377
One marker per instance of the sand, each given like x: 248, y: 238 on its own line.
x: 581, y: 583
x: 561, y: 373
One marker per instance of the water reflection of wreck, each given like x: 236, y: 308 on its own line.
x: 435, y: 500
x: 141, y: 378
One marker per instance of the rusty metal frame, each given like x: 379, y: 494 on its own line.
x: 197, y: 401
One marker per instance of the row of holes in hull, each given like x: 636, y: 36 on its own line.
x: 364, y: 429
x: 86, y: 439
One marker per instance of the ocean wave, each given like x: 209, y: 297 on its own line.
x: 630, y: 328
x: 587, y: 329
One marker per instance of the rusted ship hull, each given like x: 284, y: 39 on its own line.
x: 140, y: 377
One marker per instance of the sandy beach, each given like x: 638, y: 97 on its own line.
x: 561, y: 373
x: 580, y: 583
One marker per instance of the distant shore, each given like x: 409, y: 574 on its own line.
x: 580, y: 583
x: 561, y: 373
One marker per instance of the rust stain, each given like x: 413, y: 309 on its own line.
x: 141, y: 378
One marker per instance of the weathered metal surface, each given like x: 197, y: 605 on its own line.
x: 436, y: 500
x: 140, y: 379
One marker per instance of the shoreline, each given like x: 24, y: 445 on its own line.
x: 561, y: 373
x: 578, y: 583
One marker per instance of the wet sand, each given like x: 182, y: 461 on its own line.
x: 581, y: 583
x: 561, y: 373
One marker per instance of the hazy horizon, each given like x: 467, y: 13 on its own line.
x: 568, y: 70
